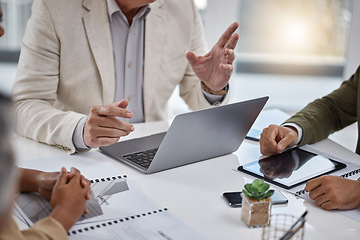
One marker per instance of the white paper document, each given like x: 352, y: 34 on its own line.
x: 118, y: 209
x: 156, y: 225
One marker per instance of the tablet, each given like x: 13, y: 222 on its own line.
x: 291, y: 168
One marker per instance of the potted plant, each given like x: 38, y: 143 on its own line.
x: 256, y: 204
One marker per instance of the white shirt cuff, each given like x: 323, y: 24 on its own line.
x: 298, y: 129
x: 213, y: 99
x: 77, y: 138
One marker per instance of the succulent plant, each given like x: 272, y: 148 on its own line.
x: 258, y: 190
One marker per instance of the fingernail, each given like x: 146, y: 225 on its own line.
x: 132, y: 128
x: 63, y: 170
x: 129, y: 114
x: 84, y: 182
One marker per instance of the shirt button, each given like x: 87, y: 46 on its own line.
x: 129, y: 98
x: 129, y: 65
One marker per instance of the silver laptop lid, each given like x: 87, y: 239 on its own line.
x: 205, y: 134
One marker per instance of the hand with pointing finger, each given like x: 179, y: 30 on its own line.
x: 103, y: 126
x: 274, y: 139
x: 215, y: 68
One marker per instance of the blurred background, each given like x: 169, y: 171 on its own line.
x: 291, y: 50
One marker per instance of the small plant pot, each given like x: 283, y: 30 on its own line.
x: 255, y: 213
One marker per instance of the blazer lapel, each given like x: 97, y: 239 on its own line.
x: 154, y: 39
x: 97, y: 27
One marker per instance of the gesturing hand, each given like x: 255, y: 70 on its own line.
x: 102, y: 128
x: 215, y: 68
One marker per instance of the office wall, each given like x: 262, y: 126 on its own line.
x: 15, y: 15
x: 353, y: 57
x: 219, y: 15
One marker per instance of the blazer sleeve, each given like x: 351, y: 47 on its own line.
x: 35, y: 88
x: 45, y: 229
x: 329, y: 114
x: 190, y: 87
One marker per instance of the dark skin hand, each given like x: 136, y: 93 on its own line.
x: 333, y: 192
x: 68, y: 199
x: 44, y: 182
x: 275, y: 139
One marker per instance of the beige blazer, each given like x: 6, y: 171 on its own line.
x: 47, y: 228
x: 66, y: 65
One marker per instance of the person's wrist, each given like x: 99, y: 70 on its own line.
x: 295, y: 134
x: 65, y: 218
x: 292, y: 135
x: 294, y: 129
x: 209, y: 90
x: 37, y: 183
x: 358, y: 192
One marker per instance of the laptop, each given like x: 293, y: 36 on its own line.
x: 192, y: 137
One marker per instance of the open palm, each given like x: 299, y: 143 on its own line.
x: 215, y: 68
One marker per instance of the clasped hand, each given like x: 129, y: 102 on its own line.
x: 69, y: 196
x: 67, y: 192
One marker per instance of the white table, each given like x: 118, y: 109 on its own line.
x: 193, y: 193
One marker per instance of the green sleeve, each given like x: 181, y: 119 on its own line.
x: 329, y: 114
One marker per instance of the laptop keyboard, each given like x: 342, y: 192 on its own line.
x: 142, y: 158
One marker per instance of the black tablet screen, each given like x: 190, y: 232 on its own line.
x: 291, y: 168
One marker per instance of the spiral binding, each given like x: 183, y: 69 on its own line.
x: 113, y: 222
x: 298, y: 193
x: 349, y: 174
x: 107, y: 179
x: 346, y: 175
